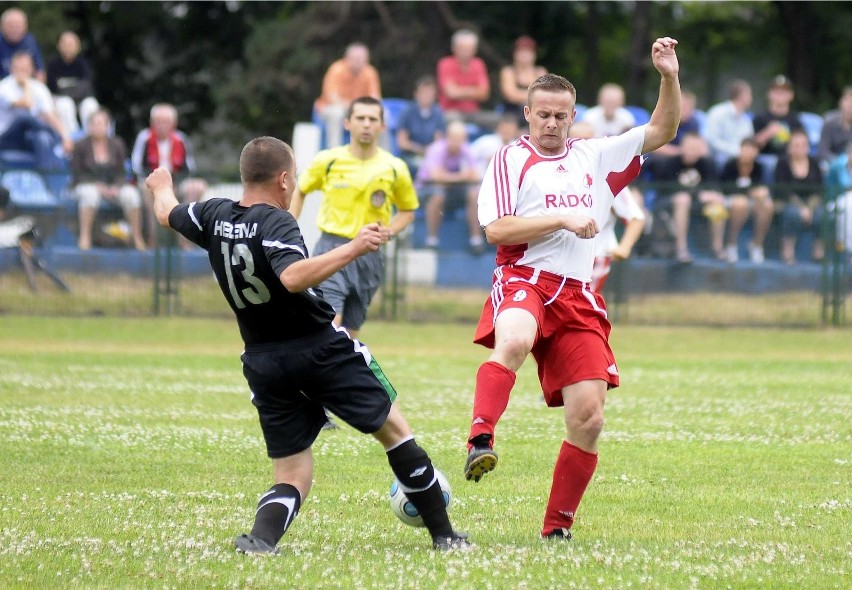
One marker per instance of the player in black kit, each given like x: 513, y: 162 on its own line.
x: 295, y: 361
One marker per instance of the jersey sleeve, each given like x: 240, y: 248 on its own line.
x: 404, y: 195
x: 626, y: 207
x: 498, y: 193
x: 186, y: 219
x: 313, y: 178
x: 282, y: 242
x: 620, y: 158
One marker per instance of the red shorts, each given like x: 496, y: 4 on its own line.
x: 572, y: 343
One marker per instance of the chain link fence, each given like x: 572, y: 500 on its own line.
x: 45, y: 273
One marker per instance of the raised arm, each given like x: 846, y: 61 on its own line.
x: 662, y: 127
x: 159, y: 182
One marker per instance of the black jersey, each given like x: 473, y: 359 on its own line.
x: 248, y: 248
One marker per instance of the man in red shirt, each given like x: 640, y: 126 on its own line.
x: 462, y: 77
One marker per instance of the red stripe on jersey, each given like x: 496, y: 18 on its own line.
x: 510, y: 254
x: 618, y: 180
x: 504, y: 195
x: 532, y: 160
x: 496, y: 173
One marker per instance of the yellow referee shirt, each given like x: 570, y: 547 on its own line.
x: 357, y: 192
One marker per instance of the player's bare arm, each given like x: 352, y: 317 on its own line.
x: 310, y: 272
x: 297, y: 201
x: 632, y: 233
x: 159, y: 182
x: 662, y: 127
x: 510, y: 229
x: 400, y: 221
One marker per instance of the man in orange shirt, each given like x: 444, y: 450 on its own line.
x: 346, y: 79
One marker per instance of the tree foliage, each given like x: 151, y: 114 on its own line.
x: 236, y: 69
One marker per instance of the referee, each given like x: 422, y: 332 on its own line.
x: 361, y: 184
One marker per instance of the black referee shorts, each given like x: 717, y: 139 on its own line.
x: 292, y: 381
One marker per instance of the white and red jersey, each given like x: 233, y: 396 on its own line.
x: 625, y: 208
x: 583, y: 180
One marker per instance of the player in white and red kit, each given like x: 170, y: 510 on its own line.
x: 543, y: 199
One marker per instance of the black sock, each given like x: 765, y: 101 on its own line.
x: 416, y: 477
x: 275, y: 511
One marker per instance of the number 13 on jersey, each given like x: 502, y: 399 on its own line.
x: 241, y: 259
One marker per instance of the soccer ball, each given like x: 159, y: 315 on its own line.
x: 405, y: 510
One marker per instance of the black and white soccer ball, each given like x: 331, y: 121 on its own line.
x: 405, y: 510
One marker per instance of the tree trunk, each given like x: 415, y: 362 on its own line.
x: 798, y: 20
x: 637, y: 64
x: 592, y: 56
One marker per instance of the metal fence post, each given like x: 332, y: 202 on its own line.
x: 166, y: 272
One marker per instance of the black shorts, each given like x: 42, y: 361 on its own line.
x: 291, y: 383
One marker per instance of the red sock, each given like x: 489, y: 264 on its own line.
x: 572, y: 474
x: 494, y: 382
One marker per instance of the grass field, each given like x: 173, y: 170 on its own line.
x: 131, y: 457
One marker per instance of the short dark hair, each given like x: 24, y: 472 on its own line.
x: 368, y: 100
x: 551, y: 83
x: 737, y: 88
x: 263, y: 158
x: 425, y: 80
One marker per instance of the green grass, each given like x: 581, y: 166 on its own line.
x: 131, y: 457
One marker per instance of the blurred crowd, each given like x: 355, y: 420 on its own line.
x: 729, y: 168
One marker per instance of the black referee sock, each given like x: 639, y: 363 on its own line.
x: 275, y: 511
x: 416, y: 476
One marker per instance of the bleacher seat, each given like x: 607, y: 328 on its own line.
x: 701, y: 117
x: 394, y: 107
x: 812, y: 123
x: 641, y: 115
x: 15, y: 159
x: 224, y: 190
x: 28, y: 190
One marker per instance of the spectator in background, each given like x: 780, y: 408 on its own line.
x: 345, y: 80
x: 772, y: 127
x: 609, y: 117
x: 14, y: 37
x: 463, y: 84
x: 837, y: 130
x: 798, y: 182
x: 420, y: 124
x: 839, y: 189
x: 69, y: 79
x: 692, y: 175
x: 162, y: 144
x: 449, y: 178
x: 28, y: 121
x: 485, y: 146
x: 97, y: 172
x: 728, y: 123
x: 688, y: 124
x: 516, y: 77
x: 742, y: 180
